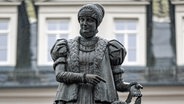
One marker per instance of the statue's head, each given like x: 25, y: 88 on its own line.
x: 90, y: 16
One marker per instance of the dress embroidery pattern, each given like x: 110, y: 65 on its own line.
x: 73, y: 56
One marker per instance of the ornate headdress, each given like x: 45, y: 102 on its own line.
x: 95, y: 11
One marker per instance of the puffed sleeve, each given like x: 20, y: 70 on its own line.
x: 59, y: 52
x: 117, y: 52
x: 117, y: 55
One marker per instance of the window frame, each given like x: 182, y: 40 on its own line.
x: 42, y: 35
x: 11, y: 38
x: 141, y: 35
x: 127, y: 32
x: 57, y: 33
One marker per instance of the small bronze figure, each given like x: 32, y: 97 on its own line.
x: 88, y: 68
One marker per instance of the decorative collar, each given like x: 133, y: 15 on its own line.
x: 86, y: 42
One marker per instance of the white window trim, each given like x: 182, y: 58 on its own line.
x: 42, y: 31
x: 179, y: 38
x: 58, y: 33
x: 141, y: 35
x: 126, y: 32
x: 12, y: 37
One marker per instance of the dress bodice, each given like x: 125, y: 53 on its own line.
x: 86, y: 55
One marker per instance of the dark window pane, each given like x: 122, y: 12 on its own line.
x: 4, y: 24
x: 120, y: 25
x: 131, y: 24
x: 120, y: 38
x: 132, y: 40
x: 52, y: 25
x: 3, y: 55
x: 51, y: 41
x: 3, y: 41
x: 131, y: 55
x: 64, y: 25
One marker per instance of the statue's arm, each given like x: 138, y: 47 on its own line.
x: 67, y: 77
x: 133, y: 87
x: 71, y: 77
x: 59, y: 55
x: 120, y: 84
x: 117, y: 53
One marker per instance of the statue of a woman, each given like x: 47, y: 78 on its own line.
x: 88, y: 68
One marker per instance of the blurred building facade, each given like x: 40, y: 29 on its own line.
x: 152, y: 37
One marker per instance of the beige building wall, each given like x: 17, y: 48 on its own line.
x: 151, y: 95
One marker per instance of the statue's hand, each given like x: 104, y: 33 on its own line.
x: 93, y: 79
x: 135, y: 90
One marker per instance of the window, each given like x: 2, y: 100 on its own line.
x: 4, y: 31
x: 126, y: 33
x: 56, y: 29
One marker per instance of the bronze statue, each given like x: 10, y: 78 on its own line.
x: 88, y: 68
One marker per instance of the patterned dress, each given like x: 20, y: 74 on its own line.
x: 91, y: 57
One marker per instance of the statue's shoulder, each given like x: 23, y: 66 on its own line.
x: 114, y: 44
x: 73, y: 41
x: 61, y: 42
x: 117, y: 52
x: 59, y: 49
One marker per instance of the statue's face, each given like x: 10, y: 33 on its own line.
x: 88, y: 26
